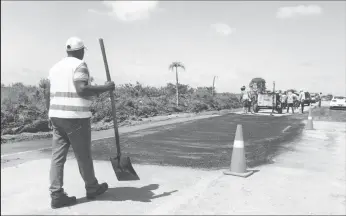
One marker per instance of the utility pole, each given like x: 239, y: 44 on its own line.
x: 212, y: 90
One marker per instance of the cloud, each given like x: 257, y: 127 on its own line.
x: 300, y: 10
x: 95, y: 11
x: 223, y: 29
x: 130, y: 10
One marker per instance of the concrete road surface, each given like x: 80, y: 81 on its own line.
x: 308, y: 177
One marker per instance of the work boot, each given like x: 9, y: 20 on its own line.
x: 102, y: 189
x: 62, y: 200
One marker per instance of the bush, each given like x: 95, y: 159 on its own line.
x: 25, y: 105
x: 21, y: 105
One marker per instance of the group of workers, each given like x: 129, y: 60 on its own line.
x: 288, y: 99
x: 291, y: 100
x: 248, y: 99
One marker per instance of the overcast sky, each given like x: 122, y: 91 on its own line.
x: 296, y: 44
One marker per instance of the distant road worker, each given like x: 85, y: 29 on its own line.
x: 68, y: 101
x: 284, y: 100
x: 290, y: 101
x: 302, y: 99
x: 252, y: 101
x: 296, y: 102
x: 245, y: 99
x: 319, y: 99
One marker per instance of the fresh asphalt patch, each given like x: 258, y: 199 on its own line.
x: 205, y: 143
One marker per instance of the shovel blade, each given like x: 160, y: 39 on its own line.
x: 123, y: 169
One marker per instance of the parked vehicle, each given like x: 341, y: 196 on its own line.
x: 265, y: 101
x: 328, y: 97
x: 313, y: 97
x: 324, y: 98
x: 307, y: 100
x: 338, y: 102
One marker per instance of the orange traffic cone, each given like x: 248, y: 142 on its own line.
x: 310, y: 124
x: 238, y: 162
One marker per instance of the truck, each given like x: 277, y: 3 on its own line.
x: 265, y: 101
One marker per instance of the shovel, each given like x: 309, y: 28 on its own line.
x: 121, y: 165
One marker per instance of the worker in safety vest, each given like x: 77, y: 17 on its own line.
x: 319, y: 99
x: 68, y: 101
x: 290, y: 100
x: 284, y: 100
x: 252, y: 101
x: 245, y: 98
x: 302, y: 99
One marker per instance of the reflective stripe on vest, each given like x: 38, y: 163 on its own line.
x: 65, y: 102
x: 65, y: 94
x: 69, y: 108
x: 60, y: 102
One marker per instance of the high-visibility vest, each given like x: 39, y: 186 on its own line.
x: 290, y: 98
x: 64, y: 100
x: 245, y: 95
x: 302, y: 96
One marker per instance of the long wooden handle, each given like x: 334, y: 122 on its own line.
x: 116, y: 132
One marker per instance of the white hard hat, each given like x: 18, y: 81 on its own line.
x: 74, y: 43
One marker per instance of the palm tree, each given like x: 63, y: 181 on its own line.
x: 176, y: 65
x: 213, y: 89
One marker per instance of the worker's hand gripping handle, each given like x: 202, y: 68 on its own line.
x: 111, y: 94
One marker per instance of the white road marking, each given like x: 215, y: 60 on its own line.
x: 286, y: 128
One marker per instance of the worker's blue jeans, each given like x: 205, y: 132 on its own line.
x: 75, y: 132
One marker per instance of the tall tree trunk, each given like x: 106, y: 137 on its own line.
x: 177, y: 85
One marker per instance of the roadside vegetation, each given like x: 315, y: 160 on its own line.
x: 23, y: 107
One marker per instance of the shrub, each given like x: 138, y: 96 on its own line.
x: 22, y: 105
